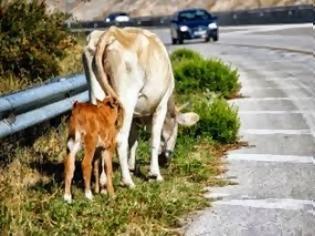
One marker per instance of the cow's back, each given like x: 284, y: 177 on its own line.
x: 137, y: 58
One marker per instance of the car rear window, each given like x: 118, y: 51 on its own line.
x: 113, y: 15
x: 194, y: 15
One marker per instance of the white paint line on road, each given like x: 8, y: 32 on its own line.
x: 256, y: 28
x: 270, y: 27
x: 276, y: 112
x: 216, y: 196
x: 276, y: 99
x: 276, y: 131
x: 259, y: 88
x: 270, y: 203
x: 272, y: 158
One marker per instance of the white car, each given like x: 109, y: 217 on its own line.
x: 117, y: 17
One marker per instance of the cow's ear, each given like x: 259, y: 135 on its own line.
x: 187, y: 119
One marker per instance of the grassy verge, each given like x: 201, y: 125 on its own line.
x: 31, y: 189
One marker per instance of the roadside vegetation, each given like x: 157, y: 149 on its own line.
x: 193, y: 73
x: 34, y: 45
x: 31, y: 168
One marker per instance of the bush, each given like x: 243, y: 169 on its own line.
x: 31, y: 41
x: 200, y: 75
x: 184, y: 53
x: 218, y: 120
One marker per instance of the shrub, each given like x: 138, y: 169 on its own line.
x: 218, y: 120
x: 31, y: 41
x: 199, y: 75
x: 184, y: 53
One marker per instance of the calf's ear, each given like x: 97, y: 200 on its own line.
x: 187, y: 119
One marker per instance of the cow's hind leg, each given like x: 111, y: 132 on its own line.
x: 157, y: 124
x: 123, y: 136
x: 133, y: 144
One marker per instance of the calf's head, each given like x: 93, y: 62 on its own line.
x: 113, y: 108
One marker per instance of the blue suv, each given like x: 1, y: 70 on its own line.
x: 193, y: 23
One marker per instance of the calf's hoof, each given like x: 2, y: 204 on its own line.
x: 89, y: 195
x: 67, y: 198
x: 103, y: 191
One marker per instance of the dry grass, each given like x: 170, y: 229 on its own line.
x: 72, y: 63
x: 10, y: 84
x: 31, y: 186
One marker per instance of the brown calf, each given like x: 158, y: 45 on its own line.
x: 94, y: 126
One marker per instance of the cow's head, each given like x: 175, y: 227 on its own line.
x: 174, y: 117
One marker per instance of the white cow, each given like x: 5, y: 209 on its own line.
x: 133, y: 65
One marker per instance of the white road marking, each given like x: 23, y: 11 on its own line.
x: 277, y: 112
x: 216, y: 196
x: 269, y: 203
x: 261, y: 28
x: 272, y: 158
x: 276, y: 131
x: 276, y: 99
x: 259, y: 88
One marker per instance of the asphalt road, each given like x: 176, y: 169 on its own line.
x: 276, y: 173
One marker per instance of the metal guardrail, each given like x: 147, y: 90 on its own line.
x: 32, y: 106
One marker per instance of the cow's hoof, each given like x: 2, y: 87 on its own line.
x: 156, y: 177
x: 136, y: 170
x: 89, y: 195
x: 67, y: 198
x: 164, y: 160
x: 128, y: 184
x: 159, y: 178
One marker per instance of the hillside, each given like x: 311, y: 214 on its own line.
x: 98, y: 9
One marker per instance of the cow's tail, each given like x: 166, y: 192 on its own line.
x: 102, y: 77
x: 100, y: 74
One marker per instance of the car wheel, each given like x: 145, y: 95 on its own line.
x: 180, y: 40
x: 174, y: 41
x: 207, y: 39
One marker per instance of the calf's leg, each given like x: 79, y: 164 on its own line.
x: 109, y: 170
x: 103, y: 178
x: 73, y: 146
x: 96, y: 175
x: 89, y: 150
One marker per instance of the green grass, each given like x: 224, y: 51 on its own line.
x: 32, y: 188
x: 195, y: 74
